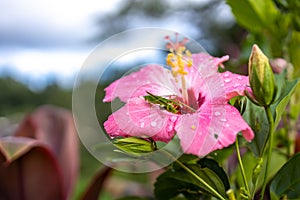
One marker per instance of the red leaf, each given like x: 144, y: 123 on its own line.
x: 94, y: 189
x: 28, y: 171
x: 55, y: 128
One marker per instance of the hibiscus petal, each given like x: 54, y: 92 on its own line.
x: 213, y: 127
x: 203, y: 77
x: 233, y: 124
x: 205, y: 61
x: 139, y: 118
x: 192, y: 133
x: 234, y: 84
x: 216, y: 87
x: 134, y: 84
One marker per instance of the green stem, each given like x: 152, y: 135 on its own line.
x: 242, y: 168
x: 213, y: 191
x: 230, y: 194
x: 270, y: 137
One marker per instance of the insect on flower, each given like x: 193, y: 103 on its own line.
x: 168, y: 104
x: 195, y: 106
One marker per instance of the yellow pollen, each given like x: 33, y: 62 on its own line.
x: 179, y: 59
x: 193, y: 127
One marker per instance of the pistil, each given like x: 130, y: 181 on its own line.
x: 185, y: 96
x: 178, y: 59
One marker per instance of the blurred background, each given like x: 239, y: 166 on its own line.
x: 44, y: 43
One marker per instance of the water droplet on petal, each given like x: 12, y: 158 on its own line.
x: 236, y: 85
x: 223, y: 120
x: 222, y: 85
x: 153, y: 123
x: 227, y: 80
x: 142, y: 125
x: 239, y: 77
x: 173, y: 118
x: 225, y: 74
x: 217, y: 113
x: 226, y: 125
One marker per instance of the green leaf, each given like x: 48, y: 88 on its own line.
x: 279, y: 107
x: 256, y: 118
x: 294, y: 105
x: 287, y: 180
x: 178, y: 181
x: 254, y: 15
x: 135, y: 146
x: 188, y: 159
x: 249, y: 162
x: 222, y: 155
x: 214, y: 166
x: 134, y: 198
x: 294, y: 52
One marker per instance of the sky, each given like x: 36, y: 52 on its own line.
x: 49, y: 40
x: 42, y: 38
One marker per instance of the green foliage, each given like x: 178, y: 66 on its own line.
x: 103, y: 110
x: 261, y: 78
x: 134, y: 198
x: 214, y: 166
x: 135, y: 146
x: 281, y: 103
x: 257, y: 120
x: 249, y: 163
x: 287, y: 181
x: 239, y: 102
x: 254, y: 15
x: 186, y: 184
x: 256, y: 117
x: 215, y: 35
x: 294, y: 52
x: 273, y: 25
x: 16, y: 97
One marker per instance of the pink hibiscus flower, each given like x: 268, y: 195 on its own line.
x: 203, y: 120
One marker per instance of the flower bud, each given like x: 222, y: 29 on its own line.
x: 261, y: 77
x: 135, y: 146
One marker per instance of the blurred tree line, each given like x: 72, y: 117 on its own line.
x: 203, y: 21
x: 208, y: 22
x: 15, y: 97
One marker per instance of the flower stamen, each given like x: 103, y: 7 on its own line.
x: 178, y: 58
